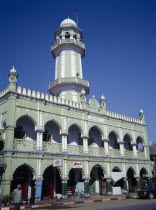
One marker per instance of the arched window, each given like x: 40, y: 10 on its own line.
x: 140, y: 146
x: 67, y: 35
x: 74, y: 136
x: 113, y: 143
x: 95, y: 138
x: 127, y: 143
x: 52, y: 132
x: 25, y: 129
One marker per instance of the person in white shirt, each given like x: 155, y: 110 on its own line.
x: 17, y: 196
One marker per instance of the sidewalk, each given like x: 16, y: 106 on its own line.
x: 70, y: 201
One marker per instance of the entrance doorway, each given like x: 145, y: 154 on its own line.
x: 97, y: 182
x: 132, y: 184
x: 52, y: 183
x: 24, y: 176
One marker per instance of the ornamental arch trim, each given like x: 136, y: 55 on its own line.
x: 58, y: 168
x: 53, y: 121
x: 28, y: 116
x: 134, y: 171
x: 100, y: 166
x: 77, y: 125
x: 82, y: 171
x: 130, y: 137
x: 115, y: 133
x: 141, y: 137
x: 26, y: 165
x: 98, y: 128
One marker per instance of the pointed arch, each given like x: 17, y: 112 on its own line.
x: 55, y: 122
x: 98, y: 128
x: 78, y: 126
x: 131, y: 168
x: 116, y: 169
x: 28, y: 116
x: 28, y: 166
x: 115, y: 133
x: 102, y: 168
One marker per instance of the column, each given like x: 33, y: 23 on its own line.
x: 134, y: 149
x: 138, y: 183
x: 86, y: 187
x: 64, y: 188
x: 109, y: 186
x: 106, y: 146
x: 125, y: 184
x: 146, y: 151
x: 64, y: 143
x: 6, y: 177
x: 85, y: 145
x: 121, y: 148
x: 39, y: 139
x: 38, y: 187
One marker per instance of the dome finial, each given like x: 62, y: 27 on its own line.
x: 13, y: 70
x: 68, y: 22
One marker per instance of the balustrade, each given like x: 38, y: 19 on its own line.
x: 114, y: 152
x: 129, y: 154
x: 75, y: 149
x: 141, y: 155
x: 24, y: 145
x: 96, y: 151
x: 52, y: 147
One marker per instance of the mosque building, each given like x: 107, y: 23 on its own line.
x: 61, y: 142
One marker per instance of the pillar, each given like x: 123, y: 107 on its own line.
x: 121, y: 148
x: 146, y: 151
x: 64, y: 143
x: 85, y: 145
x: 64, y: 188
x: 86, y: 187
x: 6, y: 177
x: 134, y: 150
x: 39, y: 139
x: 109, y: 186
x: 38, y: 188
x: 125, y: 185
x: 106, y: 150
x: 138, y: 183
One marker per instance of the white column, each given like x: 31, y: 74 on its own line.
x: 146, y: 150
x: 39, y: 139
x: 62, y: 69
x: 85, y: 145
x: 134, y: 149
x: 106, y: 146
x: 65, y: 175
x: 64, y: 144
x: 54, y: 181
x: 121, y: 148
x: 73, y: 64
x: 97, y: 188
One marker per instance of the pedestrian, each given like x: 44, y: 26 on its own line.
x: 17, y: 196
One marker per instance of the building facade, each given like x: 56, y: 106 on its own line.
x: 61, y: 143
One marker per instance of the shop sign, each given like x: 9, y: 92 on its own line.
x: 77, y: 165
x: 57, y: 162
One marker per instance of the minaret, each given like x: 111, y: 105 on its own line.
x: 68, y: 50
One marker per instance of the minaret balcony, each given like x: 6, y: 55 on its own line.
x: 69, y: 81
x: 65, y: 42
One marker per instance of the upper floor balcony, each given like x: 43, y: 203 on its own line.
x: 49, y: 140
x: 51, y: 147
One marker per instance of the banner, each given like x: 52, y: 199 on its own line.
x: 77, y: 165
x: 117, y: 176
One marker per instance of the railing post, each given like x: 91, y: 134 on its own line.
x: 108, y: 186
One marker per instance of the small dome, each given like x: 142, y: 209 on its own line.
x: 13, y: 70
x: 68, y: 22
x: 102, y: 97
x: 141, y: 111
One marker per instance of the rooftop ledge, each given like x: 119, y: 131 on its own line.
x: 56, y: 100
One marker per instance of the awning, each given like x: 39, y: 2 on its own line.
x: 117, y: 176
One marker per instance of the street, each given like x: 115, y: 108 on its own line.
x: 129, y: 204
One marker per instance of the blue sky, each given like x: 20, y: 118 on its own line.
x: 120, y: 38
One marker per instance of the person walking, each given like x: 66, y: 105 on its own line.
x: 17, y: 196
